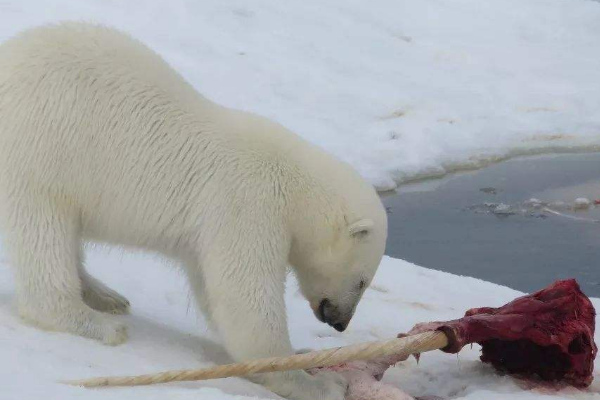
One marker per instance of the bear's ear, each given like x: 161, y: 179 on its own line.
x: 360, y: 228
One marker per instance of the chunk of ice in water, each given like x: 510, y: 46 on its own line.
x: 581, y: 203
x: 503, y: 209
x: 533, y: 202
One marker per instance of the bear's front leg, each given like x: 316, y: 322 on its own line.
x: 299, y: 385
x: 247, y: 306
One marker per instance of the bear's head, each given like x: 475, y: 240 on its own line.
x: 335, y: 269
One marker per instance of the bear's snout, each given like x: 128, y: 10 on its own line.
x: 331, y: 315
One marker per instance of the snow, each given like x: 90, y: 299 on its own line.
x: 400, y: 89
x: 165, y: 333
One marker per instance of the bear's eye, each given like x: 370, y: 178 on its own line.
x: 361, y: 285
x: 360, y: 234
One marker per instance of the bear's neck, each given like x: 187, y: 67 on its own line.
x: 315, y: 194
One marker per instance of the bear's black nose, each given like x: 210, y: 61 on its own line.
x: 339, y: 327
x: 329, y: 313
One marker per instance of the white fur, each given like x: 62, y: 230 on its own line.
x: 101, y: 140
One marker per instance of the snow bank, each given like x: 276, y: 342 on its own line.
x: 166, y: 334
x: 401, y: 89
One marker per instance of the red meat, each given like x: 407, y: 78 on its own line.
x: 548, y: 334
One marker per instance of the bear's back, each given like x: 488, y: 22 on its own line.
x: 94, y: 117
x: 87, y: 52
x: 75, y: 98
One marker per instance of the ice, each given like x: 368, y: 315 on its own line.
x: 503, y: 209
x: 534, y: 203
x: 581, y: 203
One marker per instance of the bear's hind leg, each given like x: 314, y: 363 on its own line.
x: 43, y: 245
x: 100, y: 297
x: 97, y: 295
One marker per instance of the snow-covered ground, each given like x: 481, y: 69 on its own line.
x: 165, y: 333
x: 401, y: 89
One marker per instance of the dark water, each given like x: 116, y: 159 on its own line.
x: 445, y: 225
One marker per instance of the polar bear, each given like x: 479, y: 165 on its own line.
x: 100, y: 140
